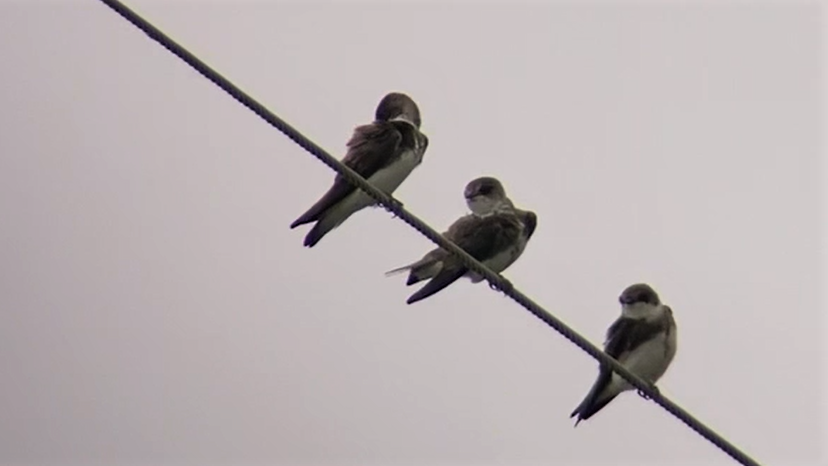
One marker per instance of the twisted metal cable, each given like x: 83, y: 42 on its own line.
x: 391, y: 204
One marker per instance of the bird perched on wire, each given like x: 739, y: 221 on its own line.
x: 642, y: 339
x: 384, y: 152
x: 495, y: 233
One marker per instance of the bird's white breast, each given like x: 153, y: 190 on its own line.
x: 649, y: 360
x: 503, y: 259
x: 498, y: 263
x: 642, y: 311
x: 387, y: 179
x: 391, y: 177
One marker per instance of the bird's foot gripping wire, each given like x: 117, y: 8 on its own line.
x: 506, y: 286
x: 394, y: 206
x: 652, y: 388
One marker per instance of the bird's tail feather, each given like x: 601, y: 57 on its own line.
x: 443, y: 279
x: 319, y: 230
x: 593, y: 402
x: 399, y: 270
x: 423, y: 269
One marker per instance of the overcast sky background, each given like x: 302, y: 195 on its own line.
x: 156, y: 309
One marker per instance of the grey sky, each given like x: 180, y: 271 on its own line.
x: 156, y: 309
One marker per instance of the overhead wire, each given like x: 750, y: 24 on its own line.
x: 496, y: 281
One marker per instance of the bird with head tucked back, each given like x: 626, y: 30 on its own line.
x: 384, y: 152
x: 642, y: 339
x: 495, y: 233
x: 486, y: 195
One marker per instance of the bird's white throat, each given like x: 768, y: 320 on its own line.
x: 484, y: 205
x: 644, y: 311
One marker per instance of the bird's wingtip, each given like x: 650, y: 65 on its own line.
x: 311, y: 239
x: 303, y: 219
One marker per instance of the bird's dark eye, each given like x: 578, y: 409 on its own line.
x: 630, y: 299
x: 647, y: 298
x: 485, y: 189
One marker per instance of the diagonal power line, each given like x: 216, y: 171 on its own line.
x: 496, y: 281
